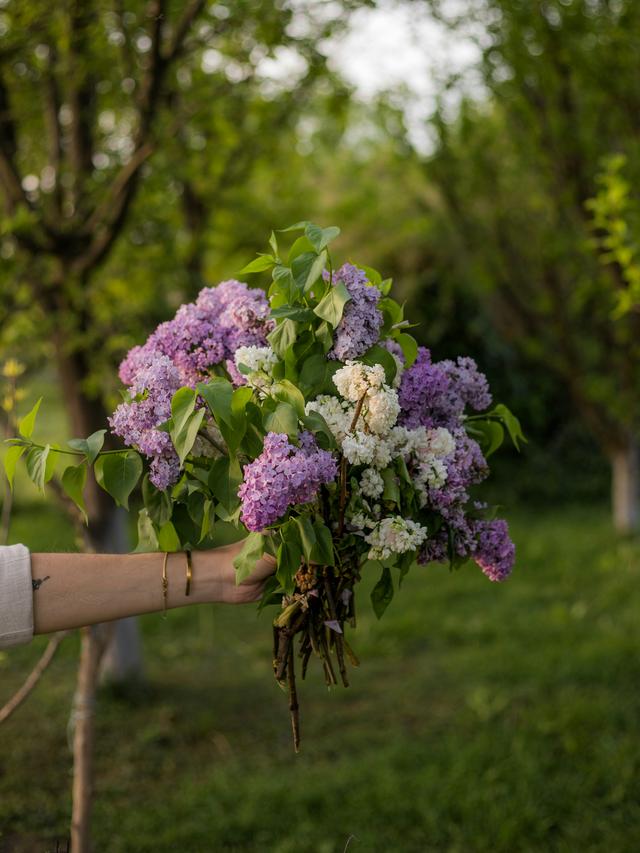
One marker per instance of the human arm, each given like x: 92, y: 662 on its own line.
x: 40, y: 593
x: 82, y: 589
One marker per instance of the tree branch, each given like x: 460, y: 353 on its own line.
x: 108, y: 219
x: 34, y: 676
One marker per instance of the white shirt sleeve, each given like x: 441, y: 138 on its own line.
x: 16, y: 596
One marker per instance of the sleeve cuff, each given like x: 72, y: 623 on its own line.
x: 16, y: 596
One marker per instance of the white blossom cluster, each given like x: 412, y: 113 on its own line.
x: 371, y: 483
x: 337, y: 413
x: 375, y: 442
x: 356, y: 379
x: 255, y: 358
x: 394, y: 535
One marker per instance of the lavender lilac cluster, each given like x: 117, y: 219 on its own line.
x: 361, y: 321
x: 206, y: 332
x: 494, y: 551
x: 182, y: 351
x: 435, y: 393
x: 152, y: 386
x: 283, y: 476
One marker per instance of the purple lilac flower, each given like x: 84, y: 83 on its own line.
x: 361, y: 321
x: 470, y: 384
x: 494, y: 552
x: 135, y: 422
x: 282, y: 476
x: 206, y: 332
x: 434, y: 394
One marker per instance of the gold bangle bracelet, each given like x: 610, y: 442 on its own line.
x: 187, y: 590
x: 165, y: 584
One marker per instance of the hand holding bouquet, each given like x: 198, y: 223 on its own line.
x: 310, y: 421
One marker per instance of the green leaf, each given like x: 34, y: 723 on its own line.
x: 283, y: 420
x: 37, y: 465
x: 409, y: 348
x: 239, y: 399
x: 184, y: 440
x: 294, y: 312
x: 228, y: 409
x: 391, y: 490
x: 282, y: 337
x: 331, y: 306
x: 301, y: 269
x: 157, y: 503
x: 168, y: 539
x: 315, y: 271
x: 11, y: 457
x: 289, y: 557
x: 325, y: 336
x: 147, y: 536
x: 224, y: 481
x: 274, y: 244
x: 90, y: 446
x: 512, y: 424
x: 28, y: 422
x: 299, y: 226
x: 218, y: 393
x: 382, y: 593
x: 261, y: 263
x: 183, y: 403
x: 208, y: 516
x: 73, y: 482
x: 489, y: 434
x: 320, y: 237
x: 316, y: 424
x: 322, y: 552
x: 301, y: 246
x: 251, y: 552
x: 380, y: 355
x: 307, y: 535
x: 287, y: 392
x: 118, y: 474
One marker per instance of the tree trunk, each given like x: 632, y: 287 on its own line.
x: 625, y: 471
x: 83, y: 723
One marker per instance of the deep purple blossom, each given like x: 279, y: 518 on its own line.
x: 283, y: 476
x: 494, y: 552
x: 435, y: 393
x: 359, y: 328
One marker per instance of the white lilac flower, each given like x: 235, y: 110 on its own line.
x: 337, y: 413
x: 441, y: 442
x: 355, y: 379
x: 359, y: 448
x: 256, y: 358
x: 371, y: 483
x: 383, y: 453
x: 359, y: 521
x: 431, y: 474
x: 381, y: 409
x: 394, y: 535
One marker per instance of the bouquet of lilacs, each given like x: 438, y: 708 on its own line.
x: 309, y: 419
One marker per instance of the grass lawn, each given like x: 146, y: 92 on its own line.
x: 483, y: 718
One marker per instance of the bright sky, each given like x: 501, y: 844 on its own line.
x: 394, y: 45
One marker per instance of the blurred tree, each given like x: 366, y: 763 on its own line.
x: 110, y: 116
x: 515, y: 170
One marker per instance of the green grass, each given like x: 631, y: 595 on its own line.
x: 483, y: 718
